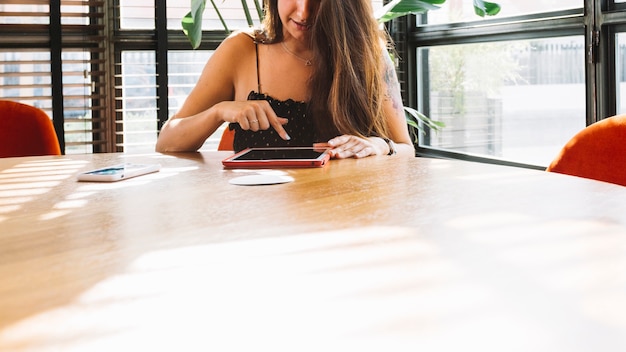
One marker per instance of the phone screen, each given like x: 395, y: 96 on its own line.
x: 108, y: 171
x: 280, y: 154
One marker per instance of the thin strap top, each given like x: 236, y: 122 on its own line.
x: 258, y: 77
x: 300, y: 126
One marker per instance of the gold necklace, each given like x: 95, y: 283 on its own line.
x: 307, y: 62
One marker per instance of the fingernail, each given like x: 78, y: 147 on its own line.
x: 287, y: 138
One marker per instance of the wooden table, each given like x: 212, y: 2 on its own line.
x: 379, y: 254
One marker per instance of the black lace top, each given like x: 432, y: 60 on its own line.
x: 300, y: 127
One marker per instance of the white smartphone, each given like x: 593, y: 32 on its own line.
x: 118, y: 172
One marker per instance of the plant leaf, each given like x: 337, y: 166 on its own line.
x: 259, y: 9
x: 246, y: 11
x: 192, y: 23
x: 192, y: 30
x: 418, y: 120
x: 485, y: 8
x: 398, y: 8
x: 219, y: 15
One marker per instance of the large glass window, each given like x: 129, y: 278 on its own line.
x: 137, y: 113
x: 137, y: 127
x: 515, y: 87
x: 516, y: 100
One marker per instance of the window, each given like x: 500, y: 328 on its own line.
x: 36, y: 59
x: 518, y: 100
x: 141, y: 108
x: 510, y: 88
x: 514, y: 87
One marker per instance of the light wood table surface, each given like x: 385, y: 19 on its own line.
x: 379, y: 254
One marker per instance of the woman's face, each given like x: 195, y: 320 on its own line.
x: 297, y: 17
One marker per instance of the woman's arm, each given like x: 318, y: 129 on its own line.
x: 394, y: 111
x: 212, y: 101
x: 348, y: 146
x: 195, y: 121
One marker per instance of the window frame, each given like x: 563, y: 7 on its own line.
x: 597, y: 20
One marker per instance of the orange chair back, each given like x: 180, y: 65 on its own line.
x: 26, y: 131
x: 228, y: 137
x: 597, y: 152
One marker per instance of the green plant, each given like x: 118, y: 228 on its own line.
x: 417, y: 120
x: 192, y: 27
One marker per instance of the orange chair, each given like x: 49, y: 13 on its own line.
x: 26, y: 131
x: 228, y: 137
x: 597, y: 152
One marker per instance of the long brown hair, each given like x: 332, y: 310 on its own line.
x: 273, y: 27
x: 347, y: 87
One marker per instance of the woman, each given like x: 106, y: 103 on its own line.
x: 317, y: 74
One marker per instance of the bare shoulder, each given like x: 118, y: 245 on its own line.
x: 234, y: 56
x: 237, y: 44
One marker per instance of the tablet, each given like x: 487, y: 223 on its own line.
x: 278, y: 157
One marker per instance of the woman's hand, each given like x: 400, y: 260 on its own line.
x: 348, y: 146
x: 254, y: 115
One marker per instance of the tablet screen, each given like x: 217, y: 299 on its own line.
x: 278, y: 157
x: 280, y: 154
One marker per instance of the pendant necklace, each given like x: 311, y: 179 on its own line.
x: 307, y: 62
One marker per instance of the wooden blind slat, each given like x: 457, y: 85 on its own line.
x: 25, y: 36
